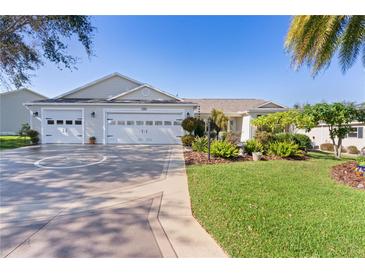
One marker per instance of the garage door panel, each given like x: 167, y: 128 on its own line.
x: 144, y: 128
x: 62, y: 126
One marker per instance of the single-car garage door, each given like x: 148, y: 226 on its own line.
x: 143, y: 128
x: 62, y: 126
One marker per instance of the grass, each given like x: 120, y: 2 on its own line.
x: 279, y: 208
x: 8, y: 142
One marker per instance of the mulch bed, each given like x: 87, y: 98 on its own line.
x: 345, y: 173
x: 194, y: 158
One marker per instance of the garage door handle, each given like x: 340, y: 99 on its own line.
x: 109, y: 136
x: 48, y: 134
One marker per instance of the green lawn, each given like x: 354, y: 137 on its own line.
x: 7, y: 142
x: 279, y: 208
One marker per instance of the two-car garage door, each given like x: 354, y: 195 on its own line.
x: 143, y: 128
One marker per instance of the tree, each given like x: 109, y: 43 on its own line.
x: 315, y: 40
x: 337, y: 116
x: 278, y: 121
x: 218, y: 121
x: 26, y: 41
x: 189, y: 124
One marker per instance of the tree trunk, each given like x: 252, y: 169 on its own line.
x: 339, y: 148
x: 335, y: 148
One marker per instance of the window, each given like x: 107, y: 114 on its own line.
x: 68, y: 122
x: 158, y: 123
x: 139, y: 123
x: 130, y: 123
x: 167, y: 123
x: 59, y: 122
x: 177, y: 123
x: 356, y: 132
x: 121, y: 123
x: 50, y: 122
x: 79, y: 122
x: 149, y: 123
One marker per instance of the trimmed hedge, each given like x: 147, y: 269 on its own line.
x: 187, y: 140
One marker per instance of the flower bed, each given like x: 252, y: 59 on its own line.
x: 194, y: 157
x: 345, y: 173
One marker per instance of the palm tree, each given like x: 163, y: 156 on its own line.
x: 314, y: 40
x: 219, y: 120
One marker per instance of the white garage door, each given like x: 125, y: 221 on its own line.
x: 143, y: 128
x: 62, y: 126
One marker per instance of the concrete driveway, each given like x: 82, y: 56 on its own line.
x: 98, y: 201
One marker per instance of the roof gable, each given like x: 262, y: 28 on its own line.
x: 270, y: 105
x: 18, y: 91
x: 145, y: 92
x: 103, y: 88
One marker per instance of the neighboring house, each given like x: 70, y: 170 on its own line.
x: 118, y: 110
x: 12, y: 111
x: 114, y: 109
x: 240, y: 112
x: 320, y: 135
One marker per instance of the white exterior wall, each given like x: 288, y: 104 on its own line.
x: 320, y: 135
x: 95, y: 126
x: 104, y: 89
x: 12, y: 111
x: 246, y: 132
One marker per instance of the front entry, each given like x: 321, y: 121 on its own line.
x: 143, y: 128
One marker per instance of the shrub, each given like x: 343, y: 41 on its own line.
x: 360, y: 160
x: 264, y: 137
x: 233, y: 138
x: 352, y: 150
x: 187, y: 140
x: 189, y: 124
x: 253, y: 146
x: 24, y: 130
x: 303, y: 141
x: 223, y: 149
x: 200, y: 128
x: 34, y: 136
x: 327, y: 147
x: 284, y: 149
x: 200, y: 144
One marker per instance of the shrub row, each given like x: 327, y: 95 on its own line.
x: 218, y: 148
x: 330, y: 147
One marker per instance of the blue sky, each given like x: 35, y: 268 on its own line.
x: 203, y: 57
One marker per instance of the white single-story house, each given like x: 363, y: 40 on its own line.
x: 240, y: 112
x: 12, y: 111
x: 118, y: 109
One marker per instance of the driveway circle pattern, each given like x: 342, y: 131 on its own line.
x: 70, y: 161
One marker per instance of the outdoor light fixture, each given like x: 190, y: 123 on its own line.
x: 93, y: 114
x: 187, y: 114
x: 35, y: 114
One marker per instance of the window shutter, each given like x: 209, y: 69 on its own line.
x: 360, y: 132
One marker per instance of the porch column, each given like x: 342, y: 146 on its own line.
x: 229, y: 125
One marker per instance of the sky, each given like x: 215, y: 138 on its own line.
x: 203, y: 57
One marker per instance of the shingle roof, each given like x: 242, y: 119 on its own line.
x: 103, y: 101
x: 227, y: 105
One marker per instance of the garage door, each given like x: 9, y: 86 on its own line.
x: 62, y: 126
x: 143, y: 128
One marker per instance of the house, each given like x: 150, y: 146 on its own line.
x: 240, y: 113
x: 119, y: 110
x: 12, y: 111
x: 113, y: 109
